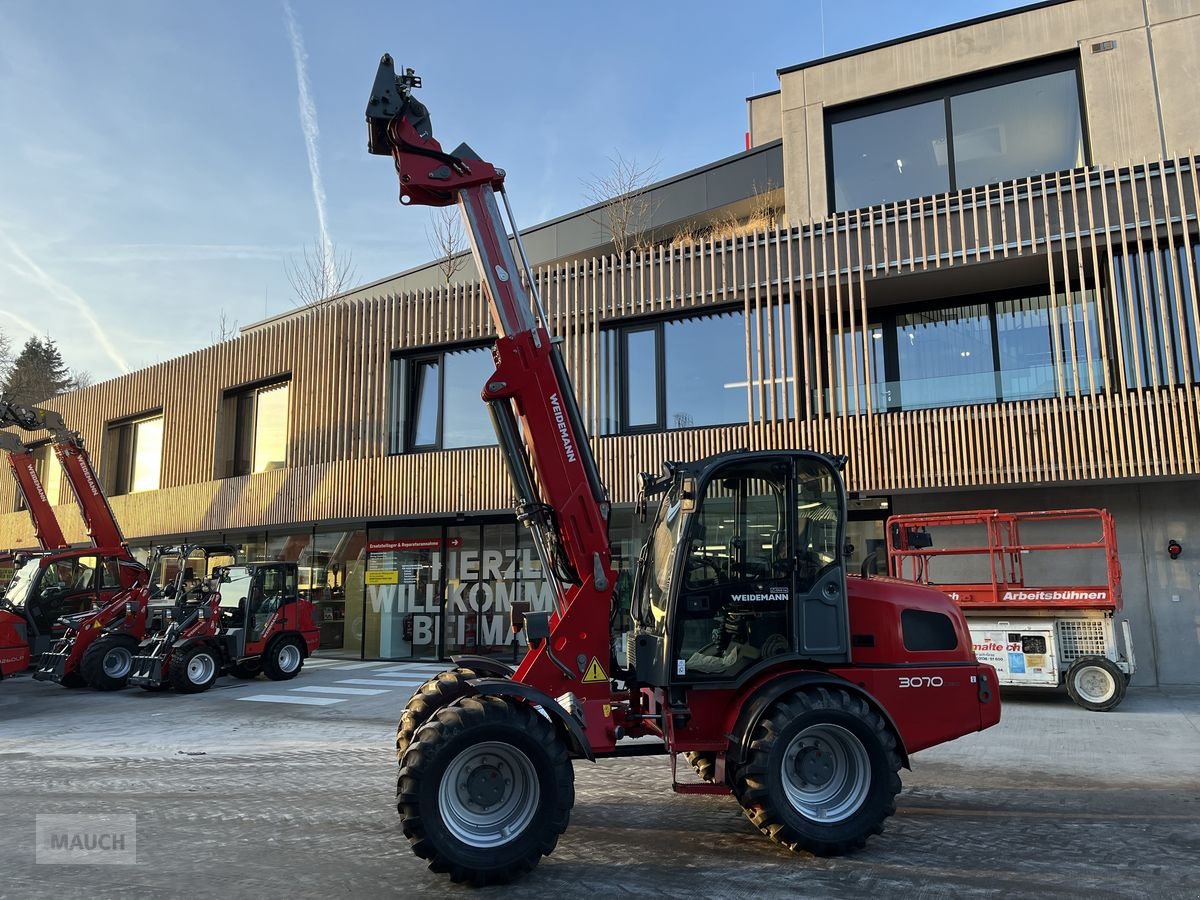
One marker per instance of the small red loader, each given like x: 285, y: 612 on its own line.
x: 244, y: 620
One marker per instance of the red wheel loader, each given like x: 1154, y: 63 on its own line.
x: 74, y: 596
x: 246, y: 620
x: 15, y: 627
x: 795, y: 688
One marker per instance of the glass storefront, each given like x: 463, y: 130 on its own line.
x: 422, y: 591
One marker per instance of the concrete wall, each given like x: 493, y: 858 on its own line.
x: 764, y: 119
x: 1138, y: 95
x: 1162, y: 596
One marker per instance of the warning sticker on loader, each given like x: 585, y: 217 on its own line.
x: 594, y: 672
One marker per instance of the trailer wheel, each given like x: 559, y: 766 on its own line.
x: 108, y: 662
x: 283, y: 660
x: 485, y: 790
x: 1096, y: 683
x: 439, y: 691
x: 822, y: 772
x: 194, y: 669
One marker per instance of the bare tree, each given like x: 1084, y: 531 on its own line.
x: 447, y: 240
x: 624, y: 200
x: 226, y: 329
x: 322, y: 272
x: 6, y: 358
x: 80, y: 378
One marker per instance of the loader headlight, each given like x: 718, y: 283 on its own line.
x: 168, y: 616
x: 130, y: 608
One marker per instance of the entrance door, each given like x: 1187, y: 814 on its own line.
x: 403, y: 593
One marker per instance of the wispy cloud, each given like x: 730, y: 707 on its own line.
x: 35, y: 274
x: 308, y: 122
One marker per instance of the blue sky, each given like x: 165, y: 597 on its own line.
x: 154, y: 169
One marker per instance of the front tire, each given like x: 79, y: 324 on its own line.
x: 108, y: 662
x: 283, y: 660
x: 194, y: 669
x: 485, y: 789
x: 1096, y: 684
x: 822, y: 772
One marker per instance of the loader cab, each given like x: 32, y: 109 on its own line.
x: 255, y: 601
x: 50, y: 587
x: 744, y: 568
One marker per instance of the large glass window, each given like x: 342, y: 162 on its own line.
x: 1018, y: 129
x: 436, y: 402
x: 1156, y: 315
x: 255, y: 429
x: 1010, y: 348
x: 890, y: 156
x: 944, y: 357
x: 136, y: 448
x: 677, y: 374
x: 1003, y: 125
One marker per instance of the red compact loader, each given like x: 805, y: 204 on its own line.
x: 71, y: 597
x: 60, y: 594
x: 245, y: 620
x: 795, y: 687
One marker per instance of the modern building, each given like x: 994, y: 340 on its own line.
x: 983, y: 290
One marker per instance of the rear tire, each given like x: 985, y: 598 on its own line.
x: 283, y: 660
x: 108, y: 662
x: 438, y: 692
x: 1096, y: 684
x: 485, y: 789
x: 821, y: 774
x: 194, y: 669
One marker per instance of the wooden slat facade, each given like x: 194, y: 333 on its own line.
x: 1120, y: 412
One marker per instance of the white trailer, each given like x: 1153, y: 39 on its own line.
x: 1079, y: 649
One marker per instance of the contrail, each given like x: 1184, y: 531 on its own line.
x: 308, y: 123
x: 24, y: 323
x: 36, y: 274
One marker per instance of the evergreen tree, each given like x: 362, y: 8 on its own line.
x: 37, y: 373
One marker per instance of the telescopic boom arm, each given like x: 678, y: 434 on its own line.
x: 76, y: 464
x: 530, y: 397
x: 24, y: 468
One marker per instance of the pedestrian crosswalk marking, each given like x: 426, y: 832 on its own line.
x: 385, y: 682
x: 286, y: 698
x: 358, y: 692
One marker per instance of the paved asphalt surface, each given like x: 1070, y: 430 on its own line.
x: 259, y: 789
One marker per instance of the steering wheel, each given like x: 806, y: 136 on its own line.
x: 702, y: 570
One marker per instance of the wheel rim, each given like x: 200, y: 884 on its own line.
x: 826, y: 773
x: 117, y: 662
x: 288, y: 658
x: 201, y: 668
x: 1095, y: 684
x: 489, y: 794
